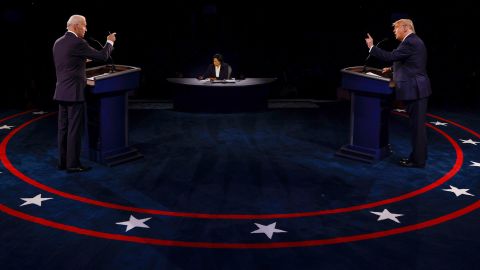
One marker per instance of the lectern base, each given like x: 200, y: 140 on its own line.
x: 369, y: 155
x: 113, y: 159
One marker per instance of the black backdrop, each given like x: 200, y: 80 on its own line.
x: 303, y: 43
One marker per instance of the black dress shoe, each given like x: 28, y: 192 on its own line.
x: 410, y: 164
x: 78, y: 169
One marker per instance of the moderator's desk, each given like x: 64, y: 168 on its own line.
x: 193, y: 95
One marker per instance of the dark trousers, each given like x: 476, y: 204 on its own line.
x: 71, y: 117
x: 417, y: 110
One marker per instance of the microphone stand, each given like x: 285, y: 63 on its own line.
x: 112, y: 66
x: 368, y: 57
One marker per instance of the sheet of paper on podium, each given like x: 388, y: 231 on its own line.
x: 373, y: 74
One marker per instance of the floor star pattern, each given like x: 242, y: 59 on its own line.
x: 268, y: 230
x: 475, y: 164
x: 459, y: 191
x: 37, y: 200
x: 6, y: 127
x: 470, y: 141
x: 437, y: 123
x: 385, y: 214
x: 133, y: 222
x: 39, y: 113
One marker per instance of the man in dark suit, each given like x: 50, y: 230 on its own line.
x: 218, y: 70
x: 412, y: 84
x: 70, y: 53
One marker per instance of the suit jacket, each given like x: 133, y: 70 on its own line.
x: 210, y: 72
x: 69, y: 54
x: 409, y: 68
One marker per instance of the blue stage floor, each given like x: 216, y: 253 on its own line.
x: 241, y: 191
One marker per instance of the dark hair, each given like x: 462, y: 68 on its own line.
x: 219, y: 57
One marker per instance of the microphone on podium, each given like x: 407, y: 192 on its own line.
x: 368, y: 57
x: 112, y: 66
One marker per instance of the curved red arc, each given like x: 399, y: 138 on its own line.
x: 306, y: 243
x: 3, y: 157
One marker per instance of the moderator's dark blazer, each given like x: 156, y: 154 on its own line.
x: 69, y: 54
x: 210, y: 72
x: 409, y: 68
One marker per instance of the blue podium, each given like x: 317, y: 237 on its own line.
x: 371, y: 99
x: 106, y: 131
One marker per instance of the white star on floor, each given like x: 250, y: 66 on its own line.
x: 37, y: 200
x: 133, y: 223
x: 387, y: 215
x: 268, y: 230
x: 399, y: 110
x: 459, y: 191
x: 439, y: 123
x: 470, y: 141
x: 475, y: 164
x: 6, y: 127
x: 40, y: 112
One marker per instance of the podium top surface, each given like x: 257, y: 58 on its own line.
x: 105, y: 71
x: 367, y: 72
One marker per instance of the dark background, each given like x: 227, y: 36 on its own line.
x: 302, y: 43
